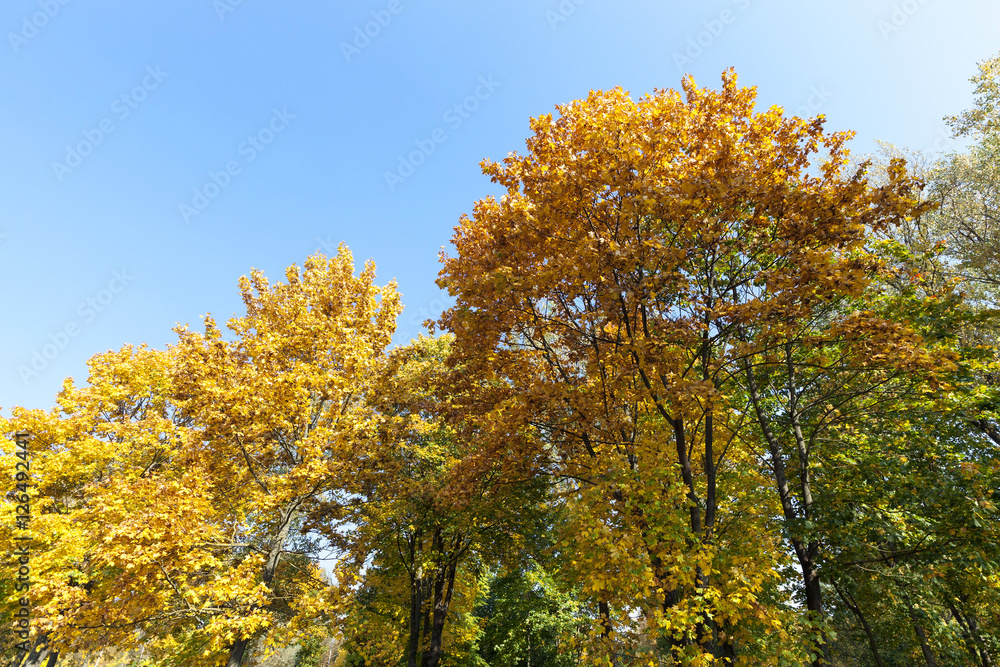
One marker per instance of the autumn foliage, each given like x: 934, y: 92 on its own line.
x: 695, y: 404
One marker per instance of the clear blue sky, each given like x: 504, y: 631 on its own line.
x: 113, y: 114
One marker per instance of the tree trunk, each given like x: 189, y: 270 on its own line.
x: 918, y: 629
x: 237, y: 651
x: 416, y: 604
x: 728, y: 653
x: 970, y: 632
x: 974, y: 629
x: 805, y: 552
x: 444, y: 586
x: 416, y: 598
x: 686, y: 473
x: 41, y: 655
x: 604, y: 613
x: 855, y: 609
x: 425, y: 654
x: 239, y: 647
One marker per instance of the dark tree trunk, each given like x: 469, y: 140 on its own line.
x: 706, y: 630
x: 41, y: 655
x: 918, y: 629
x: 855, y: 609
x: 425, y: 654
x: 728, y: 653
x: 686, y: 473
x: 805, y: 552
x: 416, y: 601
x: 970, y: 633
x: 974, y: 629
x: 238, y: 650
x: 970, y: 643
x: 604, y: 613
x: 444, y: 586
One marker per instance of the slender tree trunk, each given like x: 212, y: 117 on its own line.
x: 918, y: 629
x: 416, y: 599
x: 432, y: 592
x: 708, y: 627
x: 855, y: 609
x: 416, y: 605
x: 706, y: 375
x: 801, y: 446
x: 41, y: 655
x: 970, y: 643
x: 443, y: 589
x: 704, y: 629
x: 974, y: 629
x: 805, y: 552
x: 680, y: 440
x: 425, y: 654
x: 710, y: 476
x: 413, y: 645
x: 277, y: 547
x: 970, y: 632
x: 809, y: 573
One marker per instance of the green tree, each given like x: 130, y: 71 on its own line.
x: 528, y: 619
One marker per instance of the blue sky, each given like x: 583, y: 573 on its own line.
x: 152, y: 153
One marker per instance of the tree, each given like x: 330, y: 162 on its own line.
x: 962, y: 237
x: 173, y: 490
x: 282, y: 420
x: 917, y: 547
x: 648, y: 260
x: 527, y: 618
x: 420, y: 518
x: 117, y: 515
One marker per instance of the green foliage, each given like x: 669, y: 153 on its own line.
x: 310, y: 652
x: 527, y: 619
